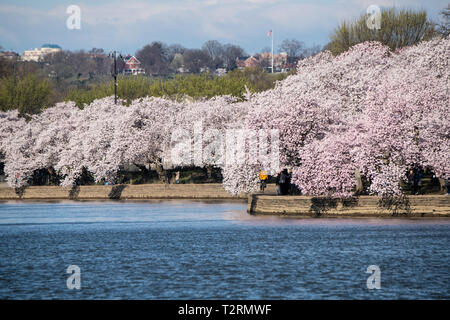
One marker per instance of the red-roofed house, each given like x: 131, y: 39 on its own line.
x: 253, y: 61
x: 132, y: 66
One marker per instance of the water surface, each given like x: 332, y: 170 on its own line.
x: 197, y: 250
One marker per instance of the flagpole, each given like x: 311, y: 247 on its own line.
x: 272, y: 50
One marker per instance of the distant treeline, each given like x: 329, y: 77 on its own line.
x: 84, y: 76
x: 29, y: 94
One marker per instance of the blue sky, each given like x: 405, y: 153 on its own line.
x: 127, y: 25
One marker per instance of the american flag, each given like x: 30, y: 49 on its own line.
x: 269, y: 33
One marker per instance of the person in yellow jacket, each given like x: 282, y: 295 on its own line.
x: 263, y: 176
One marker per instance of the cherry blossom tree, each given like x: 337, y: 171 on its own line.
x: 404, y: 123
x: 10, y: 123
x: 368, y: 111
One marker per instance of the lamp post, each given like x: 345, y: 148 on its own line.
x: 114, y: 56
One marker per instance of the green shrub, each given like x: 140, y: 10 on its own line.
x: 399, y: 28
x: 29, y: 95
x: 195, y: 86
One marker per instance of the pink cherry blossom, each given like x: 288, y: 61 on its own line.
x: 367, y: 110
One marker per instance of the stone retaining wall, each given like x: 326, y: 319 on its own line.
x: 126, y: 191
x: 363, y: 206
x: 268, y: 203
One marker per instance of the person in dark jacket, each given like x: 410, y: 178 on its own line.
x: 415, y: 180
x: 277, y: 183
x: 284, y: 182
x: 419, y: 176
x: 412, y: 181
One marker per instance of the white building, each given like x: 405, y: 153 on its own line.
x: 37, y: 54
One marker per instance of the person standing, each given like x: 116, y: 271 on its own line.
x: 167, y: 176
x: 419, y: 176
x: 263, y: 176
x: 284, y: 182
x: 277, y: 183
x: 412, y: 179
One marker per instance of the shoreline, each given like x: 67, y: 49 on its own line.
x: 210, y: 191
x: 417, y: 206
x: 261, y: 204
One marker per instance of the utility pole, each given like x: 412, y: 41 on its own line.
x: 115, y: 77
x: 114, y: 56
x: 272, y: 50
x: 270, y: 34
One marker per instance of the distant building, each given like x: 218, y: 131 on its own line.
x: 10, y: 55
x: 97, y: 55
x: 183, y: 69
x: 240, y: 62
x: 220, y: 72
x: 279, y: 59
x: 288, y: 67
x: 38, y: 54
x: 252, y: 61
x: 132, y: 66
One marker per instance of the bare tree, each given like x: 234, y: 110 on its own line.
x: 311, y: 51
x: 154, y: 58
x: 230, y: 54
x: 195, y: 60
x: 174, y: 49
x: 101, y: 62
x: 97, y: 51
x: 293, y: 48
x: 215, y: 51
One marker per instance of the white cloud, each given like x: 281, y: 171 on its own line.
x: 238, y: 21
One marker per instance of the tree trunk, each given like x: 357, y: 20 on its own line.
x: 209, y: 172
x: 142, y: 168
x: 441, y: 184
x: 161, y: 172
x: 359, y: 184
x: 51, y: 178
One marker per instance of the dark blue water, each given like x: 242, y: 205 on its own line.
x: 194, y: 250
